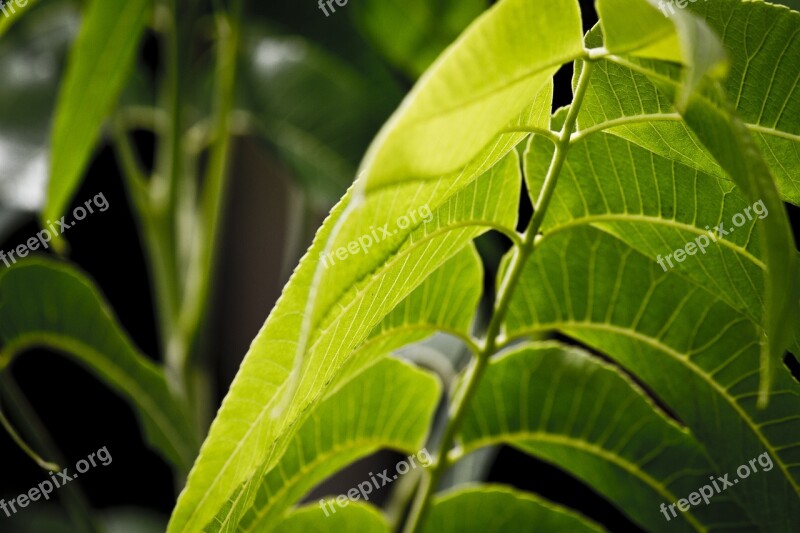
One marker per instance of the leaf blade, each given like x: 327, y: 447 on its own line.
x: 321, y: 448
x: 522, y: 43
x: 48, y: 288
x: 99, y: 64
x: 678, y: 340
x: 474, y: 510
x: 570, y: 409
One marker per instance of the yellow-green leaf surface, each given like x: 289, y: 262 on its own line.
x: 499, y: 509
x: 99, y: 64
x: 445, y: 302
x: 680, y: 38
x: 389, y: 405
x: 50, y: 304
x: 586, y: 417
x: 476, y: 88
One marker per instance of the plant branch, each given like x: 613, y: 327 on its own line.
x: 150, y: 223
x: 465, y: 392
x: 213, y: 195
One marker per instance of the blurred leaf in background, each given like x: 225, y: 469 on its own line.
x: 318, y: 88
x: 412, y: 33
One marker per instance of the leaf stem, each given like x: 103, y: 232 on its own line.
x: 151, y: 225
x: 465, y: 392
x: 44, y: 465
x: 213, y: 195
x: 73, y: 499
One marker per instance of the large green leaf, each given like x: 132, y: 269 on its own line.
x: 476, y: 88
x: 311, y: 333
x: 694, y: 351
x: 355, y: 517
x: 584, y: 416
x: 445, y: 149
x: 496, y: 508
x: 45, y: 303
x: 99, y: 64
x: 395, y: 404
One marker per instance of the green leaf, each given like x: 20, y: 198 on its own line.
x: 445, y: 302
x: 429, y: 308
x: 637, y: 28
x: 653, y: 34
x: 496, y: 508
x: 49, y: 304
x: 657, y: 205
x: 477, y: 87
x: 310, y: 335
x: 696, y: 353
x: 99, y: 64
x: 336, y: 435
x: 355, y: 517
x: 427, y: 28
x: 586, y: 417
